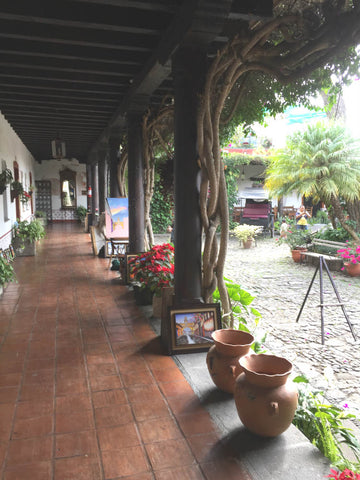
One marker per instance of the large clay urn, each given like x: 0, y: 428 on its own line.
x: 223, y: 357
x: 265, y: 400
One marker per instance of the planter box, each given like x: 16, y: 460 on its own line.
x: 28, y: 250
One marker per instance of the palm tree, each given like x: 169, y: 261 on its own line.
x: 322, y: 162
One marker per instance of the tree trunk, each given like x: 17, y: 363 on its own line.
x: 353, y: 209
x: 338, y: 212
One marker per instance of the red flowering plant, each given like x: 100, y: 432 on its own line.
x: 154, y: 269
x: 344, y: 475
x: 350, y: 254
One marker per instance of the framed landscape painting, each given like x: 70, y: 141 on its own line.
x: 191, y: 328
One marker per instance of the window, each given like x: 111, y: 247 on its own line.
x: 68, y: 189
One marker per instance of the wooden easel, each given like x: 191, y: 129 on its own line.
x: 319, y: 268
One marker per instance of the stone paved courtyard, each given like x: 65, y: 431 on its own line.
x: 280, y: 286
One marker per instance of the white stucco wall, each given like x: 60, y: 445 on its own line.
x: 50, y: 170
x: 13, y: 150
x: 245, y: 188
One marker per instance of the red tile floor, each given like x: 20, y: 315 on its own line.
x: 85, y: 391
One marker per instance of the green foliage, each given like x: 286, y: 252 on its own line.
x: 320, y: 217
x: 246, y: 232
x: 7, y: 273
x: 6, y: 177
x: 245, y: 316
x: 323, y: 425
x: 40, y: 214
x: 81, y: 212
x: 28, y: 231
x: 338, y: 234
x: 296, y: 239
x: 322, y: 162
x: 17, y: 188
x: 160, y: 210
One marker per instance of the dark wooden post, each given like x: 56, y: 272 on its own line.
x: 136, y: 184
x: 114, y: 146
x: 88, y: 184
x: 102, y: 178
x: 189, y: 68
x: 95, y: 193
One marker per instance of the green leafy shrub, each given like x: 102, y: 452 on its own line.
x: 338, y: 234
x: 160, y: 211
x: 28, y: 231
x: 81, y: 212
x: 244, y: 316
x: 323, y: 425
x: 7, y: 273
x: 40, y: 214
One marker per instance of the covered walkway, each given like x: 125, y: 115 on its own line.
x: 85, y: 390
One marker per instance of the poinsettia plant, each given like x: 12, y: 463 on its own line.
x: 154, y: 269
x: 344, y: 475
x: 350, y: 254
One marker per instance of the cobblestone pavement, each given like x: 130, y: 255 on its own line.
x: 280, y: 286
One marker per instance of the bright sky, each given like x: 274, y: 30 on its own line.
x: 352, y: 103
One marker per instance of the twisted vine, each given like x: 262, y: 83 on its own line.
x: 286, y: 48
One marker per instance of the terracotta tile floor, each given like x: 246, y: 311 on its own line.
x: 85, y: 391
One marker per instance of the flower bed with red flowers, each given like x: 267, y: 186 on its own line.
x: 350, y: 254
x: 154, y: 269
x: 344, y: 475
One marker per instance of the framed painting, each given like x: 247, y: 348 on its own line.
x: 191, y: 327
x: 117, y: 217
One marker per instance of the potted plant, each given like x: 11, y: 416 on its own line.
x: 298, y: 242
x: 7, y: 273
x: 41, y: 217
x: 351, y: 258
x: 81, y: 213
x: 17, y: 189
x: 25, y: 197
x: 153, y: 270
x: 25, y: 235
x: 246, y: 234
x: 6, y: 178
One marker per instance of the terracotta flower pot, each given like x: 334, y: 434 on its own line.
x: 265, y: 400
x: 353, y: 269
x: 296, y: 254
x: 223, y: 357
x: 248, y: 243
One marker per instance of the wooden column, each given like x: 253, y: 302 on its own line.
x: 189, y: 73
x: 102, y: 179
x: 136, y: 183
x: 95, y: 193
x: 88, y: 184
x: 114, y: 146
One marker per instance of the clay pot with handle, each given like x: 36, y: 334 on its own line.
x: 223, y: 357
x: 265, y: 400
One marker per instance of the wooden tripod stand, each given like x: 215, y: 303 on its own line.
x: 320, y: 269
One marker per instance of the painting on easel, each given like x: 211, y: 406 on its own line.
x: 117, y: 217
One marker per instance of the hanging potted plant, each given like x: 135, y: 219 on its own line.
x: 25, y: 197
x: 17, y: 189
x: 246, y: 234
x: 351, y: 257
x: 6, y: 178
